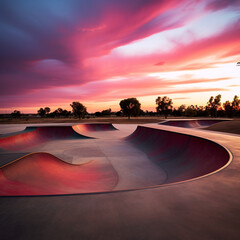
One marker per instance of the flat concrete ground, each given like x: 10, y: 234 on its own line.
x: 207, y: 208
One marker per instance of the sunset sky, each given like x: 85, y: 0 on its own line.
x: 97, y: 52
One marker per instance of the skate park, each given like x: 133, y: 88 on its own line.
x: 121, y: 181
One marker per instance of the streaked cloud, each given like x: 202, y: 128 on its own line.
x: 60, y: 51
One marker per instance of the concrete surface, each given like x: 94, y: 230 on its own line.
x: 207, y: 208
x: 192, y: 123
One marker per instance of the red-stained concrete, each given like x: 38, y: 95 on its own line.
x: 195, y: 123
x: 179, y: 156
x: 44, y: 174
x: 34, y: 136
x: 93, y: 127
x: 182, y: 157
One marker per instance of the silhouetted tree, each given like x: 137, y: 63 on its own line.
x: 150, y: 113
x: 130, y: 107
x: 213, y: 105
x: 236, y: 105
x: 191, y: 111
x: 221, y: 112
x: 228, y: 109
x: 107, y: 112
x: 47, y: 110
x: 236, y: 101
x: 41, y: 112
x: 78, y: 109
x: 66, y: 113
x: 201, y: 111
x: 179, y: 111
x: 232, y: 108
x: 164, y: 105
x: 118, y: 114
x: 182, y: 109
x: 142, y: 113
x: 98, y: 114
x: 176, y: 113
x: 59, y: 111
x: 16, y: 114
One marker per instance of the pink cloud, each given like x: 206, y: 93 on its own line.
x: 189, y: 56
x: 77, y: 49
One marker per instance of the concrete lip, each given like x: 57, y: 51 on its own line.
x: 67, y: 160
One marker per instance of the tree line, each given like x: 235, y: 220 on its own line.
x: 131, y: 107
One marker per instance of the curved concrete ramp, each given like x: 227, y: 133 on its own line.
x: 33, y: 136
x: 44, y: 174
x: 193, y: 123
x: 27, y: 129
x: 94, y: 127
x: 164, y: 158
x: 182, y: 157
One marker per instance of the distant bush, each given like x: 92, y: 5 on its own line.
x: 16, y: 114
